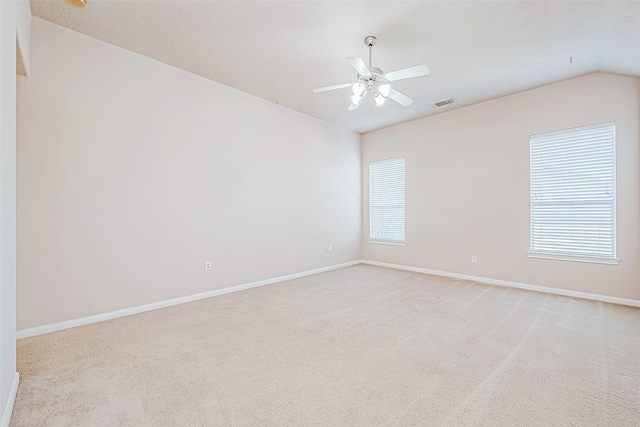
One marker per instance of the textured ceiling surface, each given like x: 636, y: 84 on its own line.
x: 282, y: 50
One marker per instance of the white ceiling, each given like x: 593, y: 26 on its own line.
x: 282, y: 50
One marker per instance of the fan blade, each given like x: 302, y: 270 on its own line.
x: 324, y: 89
x: 360, y: 66
x: 400, y: 98
x: 354, y: 106
x: 407, y: 73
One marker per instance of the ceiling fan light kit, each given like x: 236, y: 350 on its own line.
x: 373, y: 79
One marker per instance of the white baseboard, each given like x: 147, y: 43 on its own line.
x: 8, y: 409
x: 536, y: 288
x: 39, y: 330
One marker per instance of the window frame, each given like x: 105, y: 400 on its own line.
x: 613, y: 260
x: 391, y: 242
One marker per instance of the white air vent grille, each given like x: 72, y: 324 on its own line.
x: 443, y: 102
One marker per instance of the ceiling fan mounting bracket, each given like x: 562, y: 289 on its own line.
x: 370, y: 41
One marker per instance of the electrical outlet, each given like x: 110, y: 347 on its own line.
x: 474, y: 259
x: 207, y: 265
x: 329, y: 248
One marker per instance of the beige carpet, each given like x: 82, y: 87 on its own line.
x: 360, y: 346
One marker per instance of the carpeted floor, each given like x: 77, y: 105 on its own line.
x: 360, y: 346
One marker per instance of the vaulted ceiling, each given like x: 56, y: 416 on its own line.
x: 282, y: 50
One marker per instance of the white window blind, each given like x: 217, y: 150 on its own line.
x: 386, y: 200
x: 573, y: 192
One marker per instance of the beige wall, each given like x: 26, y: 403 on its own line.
x: 132, y: 174
x: 467, y: 185
x: 15, y: 18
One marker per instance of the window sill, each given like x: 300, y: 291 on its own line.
x: 382, y: 242
x: 610, y: 261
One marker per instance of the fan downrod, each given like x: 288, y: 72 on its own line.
x: 369, y: 41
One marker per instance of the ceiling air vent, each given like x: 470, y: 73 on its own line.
x: 443, y: 103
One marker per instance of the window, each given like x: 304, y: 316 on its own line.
x: 573, y: 206
x: 386, y: 201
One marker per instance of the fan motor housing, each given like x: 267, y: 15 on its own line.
x: 372, y: 82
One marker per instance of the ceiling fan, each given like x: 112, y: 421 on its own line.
x: 372, y: 79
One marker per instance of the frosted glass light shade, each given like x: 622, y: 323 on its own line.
x: 384, y: 89
x: 358, y: 88
x: 379, y: 99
